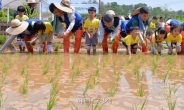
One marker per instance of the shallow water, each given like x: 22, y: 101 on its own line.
x: 125, y: 98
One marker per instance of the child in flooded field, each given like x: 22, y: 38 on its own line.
x: 20, y: 38
x: 91, y: 27
x: 156, y: 40
x: 131, y: 42
x: 174, y: 38
x: 45, y: 34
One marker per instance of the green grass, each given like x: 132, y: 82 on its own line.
x: 140, y: 91
x: 53, y: 93
x: 112, y: 90
x: 140, y: 106
x: 2, y: 39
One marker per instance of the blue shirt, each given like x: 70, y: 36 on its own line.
x: 0, y: 4
x: 123, y: 25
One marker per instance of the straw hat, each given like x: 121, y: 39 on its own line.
x: 17, y: 27
x: 111, y: 12
x: 31, y: 1
x: 65, y: 6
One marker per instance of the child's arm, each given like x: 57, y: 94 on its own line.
x: 72, y: 23
x: 129, y: 51
x: 154, y: 49
x: 178, y: 47
x: 40, y: 39
x: 94, y: 33
x: 169, y: 47
x: 50, y: 36
x: 116, y: 30
x: 86, y: 30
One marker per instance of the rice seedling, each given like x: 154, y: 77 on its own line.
x: 24, y: 87
x: 112, y: 90
x: 129, y: 61
x: 166, y: 77
x: 88, y: 86
x: 136, y: 70
x: 173, y: 90
x: 97, y: 73
x: 95, y: 81
x: 73, y: 66
x: 96, y: 106
x: 140, y: 90
x: 139, y: 56
x: 171, y: 103
x: 46, y: 68
x: 2, y: 99
x: 75, y: 74
x: 141, y: 106
x: 74, y: 106
x: 104, y: 64
x: 182, y: 68
x: 154, y: 66
x: 4, y: 73
x: 118, y: 76
x: 177, y: 73
x: 53, y: 93
x: 87, y: 64
x: 53, y: 78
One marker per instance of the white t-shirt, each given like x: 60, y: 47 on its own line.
x: 161, y: 24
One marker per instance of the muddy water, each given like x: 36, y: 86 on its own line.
x: 125, y: 97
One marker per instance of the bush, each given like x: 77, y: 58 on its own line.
x: 2, y: 39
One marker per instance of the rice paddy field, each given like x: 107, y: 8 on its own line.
x: 91, y: 82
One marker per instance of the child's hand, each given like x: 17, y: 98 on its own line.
x: 65, y: 34
x: 60, y: 36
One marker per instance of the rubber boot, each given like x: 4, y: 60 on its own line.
x: 66, y: 43
x: 45, y: 49
x: 88, y: 51
x: 27, y: 40
x: 94, y: 51
x: 104, y: 43
x: 23, y: 49
x: 116, y: 43
x: 20, y: 47
x: 78, y: 38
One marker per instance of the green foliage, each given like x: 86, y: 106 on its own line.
x: 28, y: 11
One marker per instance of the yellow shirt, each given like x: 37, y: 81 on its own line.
x: 91, y: 26
x: 152, y: 25
x: 128, y: 40
x: 170, y: 38
x: 24, y: 17
x: 156, y: 40
x: 48, y: 28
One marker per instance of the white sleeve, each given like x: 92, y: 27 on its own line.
x: 169, y: 43
x: 168, y: 22
x: 101, y: 32
x: 115, y: 32
x: 72, y: 22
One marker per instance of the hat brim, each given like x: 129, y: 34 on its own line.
x: 64, y: 8
x: 17, y: 30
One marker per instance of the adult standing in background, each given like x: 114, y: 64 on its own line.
x: 32, y: 4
